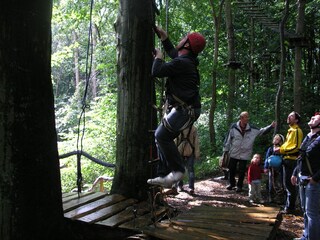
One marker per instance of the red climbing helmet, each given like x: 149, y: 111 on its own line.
x: 197, y: 42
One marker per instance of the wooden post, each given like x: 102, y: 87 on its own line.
x: 101, y: 184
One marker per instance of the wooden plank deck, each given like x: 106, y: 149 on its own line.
x: 206, y: 222
x: 200, y: 222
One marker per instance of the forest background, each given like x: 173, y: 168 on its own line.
x: 249, y: 64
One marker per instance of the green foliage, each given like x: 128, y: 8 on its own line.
x: 99, y: 135
x: 89, y: 172
x: 208, y: 167
x: 97, y: 130
x: 68, y: 179
x: 257, y: 48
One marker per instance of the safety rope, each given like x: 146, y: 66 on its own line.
x: 82, y: 117
x: 164, y: 54
x: 158, y: 109
x: 152, y: 151
x: 156, y: 11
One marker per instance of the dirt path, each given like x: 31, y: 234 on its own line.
x: 213, y: 192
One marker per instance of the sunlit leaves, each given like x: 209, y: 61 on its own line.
x: 257, y: 48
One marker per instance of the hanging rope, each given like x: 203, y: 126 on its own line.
x: 162, y: 82
x: 152, y: 152
x: 156, y: 10
x: 164, y: 54
x: 82, y: 116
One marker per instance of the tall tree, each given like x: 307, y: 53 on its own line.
x: 94, y: 72
x: 30, y: 192
x: 298, y: 55
x: 282, y: 63
x: 135, y: 94
x: 76, y: 59
x: 252, y: 65
x: 231, y: 61
x: 216, y: 15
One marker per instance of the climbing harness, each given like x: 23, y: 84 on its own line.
x: 180, y: 105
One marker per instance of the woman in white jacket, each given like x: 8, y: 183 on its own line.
x: 239, y: 144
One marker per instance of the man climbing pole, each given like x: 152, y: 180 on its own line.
x: 182, y: 106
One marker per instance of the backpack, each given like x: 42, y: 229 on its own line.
x: 185, y: 147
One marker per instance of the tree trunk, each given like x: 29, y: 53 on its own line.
x: 232, y: 59
x: 135, y: 95
x: 282, y: 65
x: 94, y: 72
x: 252, y: 67
x: 76, y: 60
x: 298, y: 56
x: 30, y: 190
x: 217, y: 23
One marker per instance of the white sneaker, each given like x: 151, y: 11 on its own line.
x: 174, y: 177
x: 158, y: 181
x: 166, y: 181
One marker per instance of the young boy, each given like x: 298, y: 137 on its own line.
x: 254, y: 179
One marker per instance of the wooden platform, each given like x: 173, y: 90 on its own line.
x: 201, y: 222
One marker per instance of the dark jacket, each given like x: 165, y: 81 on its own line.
x: 268, y: 154
x: 310, y: 149
x: 183, y: 77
